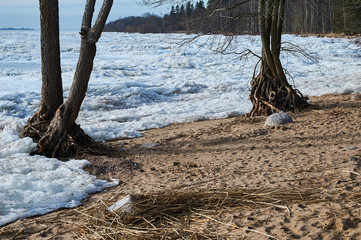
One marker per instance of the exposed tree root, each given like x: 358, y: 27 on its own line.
x: 57, y: 142
x: 270, y: 95
x: 35, y: 128
x: 54, y: 141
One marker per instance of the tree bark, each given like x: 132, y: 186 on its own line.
x: 270, y: 90
x: 63, y: 136
x: 90, y: 37
x: 51, y: 91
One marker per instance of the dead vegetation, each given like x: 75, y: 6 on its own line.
x: 184, y: 214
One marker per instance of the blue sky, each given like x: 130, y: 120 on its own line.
x: 25, y: 13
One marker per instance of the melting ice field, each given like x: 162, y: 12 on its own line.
x: 139, y: 81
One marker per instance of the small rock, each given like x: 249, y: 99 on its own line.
x: 124, y: 204
x: 350, y: 148
x: 356, y: 97
x: 150, y: 145
x: 278, y: 119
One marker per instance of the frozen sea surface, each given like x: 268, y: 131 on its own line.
x: 143, y: 81
x: 139, y: 81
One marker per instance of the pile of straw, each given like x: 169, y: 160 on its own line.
x: 185, y: 215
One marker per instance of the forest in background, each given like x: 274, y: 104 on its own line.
x: 240, y: 17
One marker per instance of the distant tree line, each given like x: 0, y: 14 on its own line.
x: 240, y: 17
x: 146, y: 24
x: 181, y: 18
x: 323, y: 16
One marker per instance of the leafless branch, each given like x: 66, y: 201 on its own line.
x: 102, y: 18
x: 297, y: 51
x: 87, y: 16
x: 155, y: 3
x: 92, y: 34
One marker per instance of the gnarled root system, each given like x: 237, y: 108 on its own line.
x: 55, y: 141
x: 270, y: 95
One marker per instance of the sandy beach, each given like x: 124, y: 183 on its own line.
x: 299, y: 181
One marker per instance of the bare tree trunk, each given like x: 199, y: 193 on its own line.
x: 51, y: 91
x: 63, y: 134
x: 344, y: 16
x: 270, y: 91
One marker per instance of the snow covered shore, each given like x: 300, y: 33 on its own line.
x: 140, y: 81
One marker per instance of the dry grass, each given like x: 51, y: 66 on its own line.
x: 194, y: 213
x: 185, y: 215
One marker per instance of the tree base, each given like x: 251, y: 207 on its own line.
x: 35, y: 128
x: 270, y: 95
x: 54, y: 141
x: 59, y: 143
